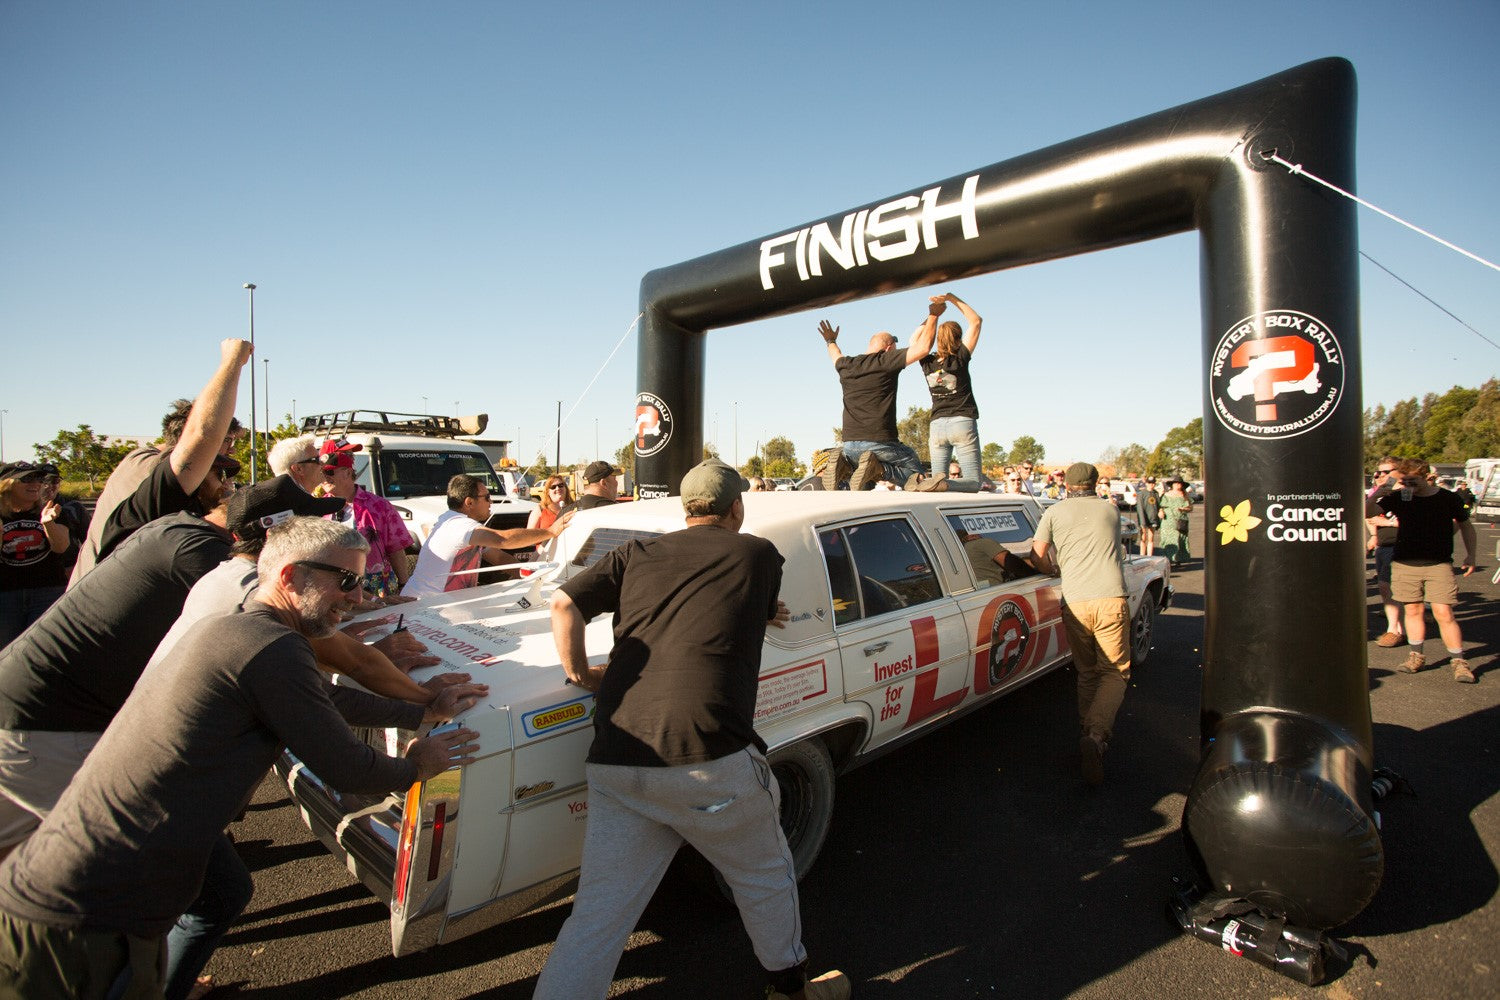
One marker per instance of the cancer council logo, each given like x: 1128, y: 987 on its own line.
x: 1235, y: 523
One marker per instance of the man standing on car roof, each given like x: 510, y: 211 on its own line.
x: 675, y: 756
x: 1085, y: 536
x: 871, y: 446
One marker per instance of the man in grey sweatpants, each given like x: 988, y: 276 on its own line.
x: 675, y: 755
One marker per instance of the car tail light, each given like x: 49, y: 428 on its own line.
x: 411, y: 825
x: 439, y: 821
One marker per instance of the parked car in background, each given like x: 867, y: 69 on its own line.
x: 907, y: 611
x: 1195, y: 491
x: 408, y: 458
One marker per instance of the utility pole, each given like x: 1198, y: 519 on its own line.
x: 250, y: 287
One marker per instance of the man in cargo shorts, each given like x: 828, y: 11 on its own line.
x: 1084, y: 532
x: 675, y: 756
x: 1422, y: 567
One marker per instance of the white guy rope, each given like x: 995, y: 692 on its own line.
x: 1296, y: 168
x: 1429, y: 298
x: 586, y: 388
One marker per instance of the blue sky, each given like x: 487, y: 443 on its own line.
x: 455, y: 202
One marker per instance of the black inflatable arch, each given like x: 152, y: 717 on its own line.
x: 1280, y: 812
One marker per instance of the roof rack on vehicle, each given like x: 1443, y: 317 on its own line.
x: 344, y: 422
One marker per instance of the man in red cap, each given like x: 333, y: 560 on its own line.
x: 374, y: 517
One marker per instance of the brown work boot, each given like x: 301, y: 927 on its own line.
x: 1091, y: 749
x: 1390, y: 640
x: 1414, y: 661
x: 1461, y: 671
x: 829, y: 986
x: 867, y: 473
x: 831, y: 464
x: 926, y: 484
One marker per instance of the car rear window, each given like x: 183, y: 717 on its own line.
x: 426, y: 473
x: 602, y: 541
x: 876, y: 568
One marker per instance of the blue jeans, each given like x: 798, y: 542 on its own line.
x: 901, y: 463
x: 20, y: 608
x: 955, y: 437
x: 225, y: 894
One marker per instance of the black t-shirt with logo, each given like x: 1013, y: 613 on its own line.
x: 869, y: 382
x: 690, y: 613
x: 1424, y: 531
x: 26, y: 557
x: 948, y: 381
x: 73, y: 669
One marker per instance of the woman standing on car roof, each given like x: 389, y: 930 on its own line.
x: 954, y: 429
x: 1174, y: 508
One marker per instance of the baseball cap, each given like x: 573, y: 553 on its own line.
x: 714, y: 482
x: 597, y: 471
x: 1081, y: 474
x: 25, y: 472
x: 338, y: 454
x: 256, y: 509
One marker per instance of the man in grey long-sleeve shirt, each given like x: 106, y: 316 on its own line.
x: 85, y: 902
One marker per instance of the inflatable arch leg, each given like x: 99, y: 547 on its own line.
x: 1280, y: 813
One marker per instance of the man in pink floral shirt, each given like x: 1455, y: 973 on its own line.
x: 386, y: 567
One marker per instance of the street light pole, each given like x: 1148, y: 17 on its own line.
x: 2, y: 434
x: 270, y: 425
x: 559, y: 434
x: 250, y: 287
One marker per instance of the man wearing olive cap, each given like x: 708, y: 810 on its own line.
x: 675, y: 756
x: 1079, y: 537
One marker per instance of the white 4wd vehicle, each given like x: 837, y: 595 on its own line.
x: 408, y: 458
x: 893, y: 632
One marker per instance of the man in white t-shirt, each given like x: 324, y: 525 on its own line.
x: 459, y: 541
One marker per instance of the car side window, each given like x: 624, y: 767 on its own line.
x: 876, y: 568
x: 997, y: 544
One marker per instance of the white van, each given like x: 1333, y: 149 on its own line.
x: 408, y: 458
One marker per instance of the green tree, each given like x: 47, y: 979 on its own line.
x: 912, y: 431
x: 991, y: 458
x: 81, y: 454
x: 1180, y: 453
x: 754, y: 467
x: 1133, y: 459
x: 781, y: 459
x: 1477, y: 433
x: 625, y: 459
x: 1026, y: 449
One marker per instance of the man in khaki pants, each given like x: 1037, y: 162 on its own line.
x: 1079, y: 539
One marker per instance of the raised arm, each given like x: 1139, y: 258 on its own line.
x: 923, y: 336
x: 208, y: 422
x: 971, y: 337
x: 830, y: 336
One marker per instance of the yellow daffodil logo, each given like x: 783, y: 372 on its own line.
x: 1235, y: 523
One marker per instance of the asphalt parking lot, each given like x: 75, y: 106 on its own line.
x: 975, y: 863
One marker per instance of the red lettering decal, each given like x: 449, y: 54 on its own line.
x: 924, y: 632
x: 924, y: 701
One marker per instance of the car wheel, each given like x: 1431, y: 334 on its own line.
x: 1141, y: 627
x: 805, y: 773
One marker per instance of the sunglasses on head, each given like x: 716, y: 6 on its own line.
x: 348, y: 580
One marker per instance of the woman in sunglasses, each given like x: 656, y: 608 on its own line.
x: 555, y: 496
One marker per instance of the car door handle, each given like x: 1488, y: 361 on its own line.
x: 877, y: 647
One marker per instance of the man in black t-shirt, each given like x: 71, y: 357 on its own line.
x: 675, y: 755
x: 1381, y: 528
x: 1422, y: 569
x: 871, y: 443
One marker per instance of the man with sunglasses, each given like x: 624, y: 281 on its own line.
x: 63, y: 680
x: 297, y: 457
x: 460, y: 543
x: 85, y: 904
x: 1422, y: 568
x: 1382, y: 541
x: 375, y: 517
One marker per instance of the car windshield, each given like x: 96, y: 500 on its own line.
x: 426, y: 473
